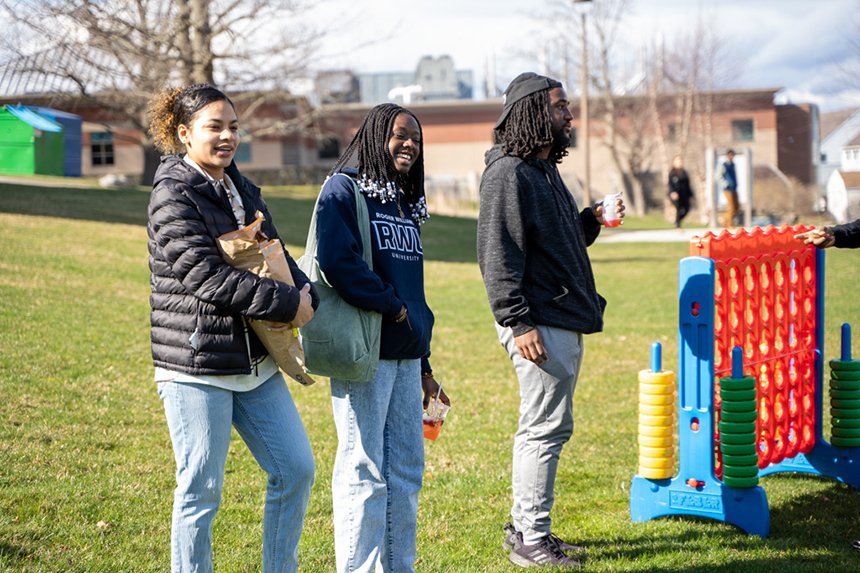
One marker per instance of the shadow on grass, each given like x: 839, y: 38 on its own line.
x: 445, y: 238
x: 15, y: 554
x: 810, y: 532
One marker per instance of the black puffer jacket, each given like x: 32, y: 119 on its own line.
x: 198, y: 300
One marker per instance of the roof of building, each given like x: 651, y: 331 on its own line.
x: 32, y: 118
x: 52, y: 113
x: 851, y: 179
x: 832, y: 119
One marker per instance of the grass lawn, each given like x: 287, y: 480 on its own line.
x: 86, y: 468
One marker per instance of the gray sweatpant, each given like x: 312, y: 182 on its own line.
x: 545, y: 425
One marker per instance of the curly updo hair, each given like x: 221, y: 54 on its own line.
x: 528, y: 129
x: 177, y: 106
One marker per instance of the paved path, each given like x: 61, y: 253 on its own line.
x: 682, y: 235
x: 47, y: 182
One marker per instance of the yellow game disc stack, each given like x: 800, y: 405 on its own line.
x: 657, y: 417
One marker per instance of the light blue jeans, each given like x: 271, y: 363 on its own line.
x: 378, y: 468
x: 199, y: 418
x: 545, y: 425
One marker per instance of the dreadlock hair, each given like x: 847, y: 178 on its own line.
x: 528, y: 129
x: 370, y: 148
x: 177, y: 106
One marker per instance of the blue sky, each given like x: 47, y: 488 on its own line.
x: 800, y: 45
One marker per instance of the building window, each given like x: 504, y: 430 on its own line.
x: 328, y: 148
x: 742, y: 130
x: 101, y: 148
x: 243, y: 153
x: 672, y: 133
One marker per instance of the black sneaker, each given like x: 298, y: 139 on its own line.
x: 856, y: 544
x: 512, y: 537
x: 545, y: 553
x: 568, y: 548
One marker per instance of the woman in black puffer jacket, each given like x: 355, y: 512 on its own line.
x: 212, y: 371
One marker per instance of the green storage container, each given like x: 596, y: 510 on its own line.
x: 29, y: 143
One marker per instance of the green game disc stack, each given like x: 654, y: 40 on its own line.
x: 845, y: 403
x: 737, y: 432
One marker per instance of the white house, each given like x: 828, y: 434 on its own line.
x: 838, y: 130
x: 843, y: 185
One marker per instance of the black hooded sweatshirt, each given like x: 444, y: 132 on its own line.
x: 532, y: 243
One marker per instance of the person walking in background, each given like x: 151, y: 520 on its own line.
x: 212, y: 371
x: 379, y: 465
x: 532, y: 241
x: 729, y: 184
x: 680, y: 191
x: 840, y: 236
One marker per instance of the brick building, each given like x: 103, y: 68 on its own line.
x: 291, y: 141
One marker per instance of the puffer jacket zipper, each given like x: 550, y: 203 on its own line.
x: 251, y: 364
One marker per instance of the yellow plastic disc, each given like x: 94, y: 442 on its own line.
x: 657, y: 409
x: 655, y: 431
x: 665, y: 452
x: 655, y: 441
x: 656, y: 399
x: 664, y: 463
x: 662, y: 421
x: 660, y: 389
x: 656, y: 473
x: 664, y: 377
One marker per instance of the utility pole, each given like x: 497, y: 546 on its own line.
x: 582, y: 7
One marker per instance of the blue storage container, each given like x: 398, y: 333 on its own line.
x: 72, y: 138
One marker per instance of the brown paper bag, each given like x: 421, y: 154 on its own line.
x: 248, y: 249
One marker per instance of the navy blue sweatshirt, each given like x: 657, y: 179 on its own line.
x: 397, y: 278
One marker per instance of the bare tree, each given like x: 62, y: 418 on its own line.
x: 118, y: 54
x: 694, y: 65
x: 665, y: 108
x: 623, y: 127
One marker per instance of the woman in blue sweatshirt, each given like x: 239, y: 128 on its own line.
x: 380, y: 457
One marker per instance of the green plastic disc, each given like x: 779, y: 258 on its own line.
x: 737, y: 427
x: 845, y: 385
x: 735, y: 384
x: 738, y: 449
x: 740, y: 482
x: 843, y: 365
x: 844, y: 413
x: 845, y: 422
x: 737, y: 406
x: 729, y: 416
x: 844, y: 394
x: 737, y: 395
x: 739, y: 461
x: 843, y: 432
x: 740, y: 471
x: 738, y: 439
x: 845, y: 404
x: 845, y: 442
x: 845, y: 375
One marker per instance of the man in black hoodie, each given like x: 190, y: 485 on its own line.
x: 532, y: 242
